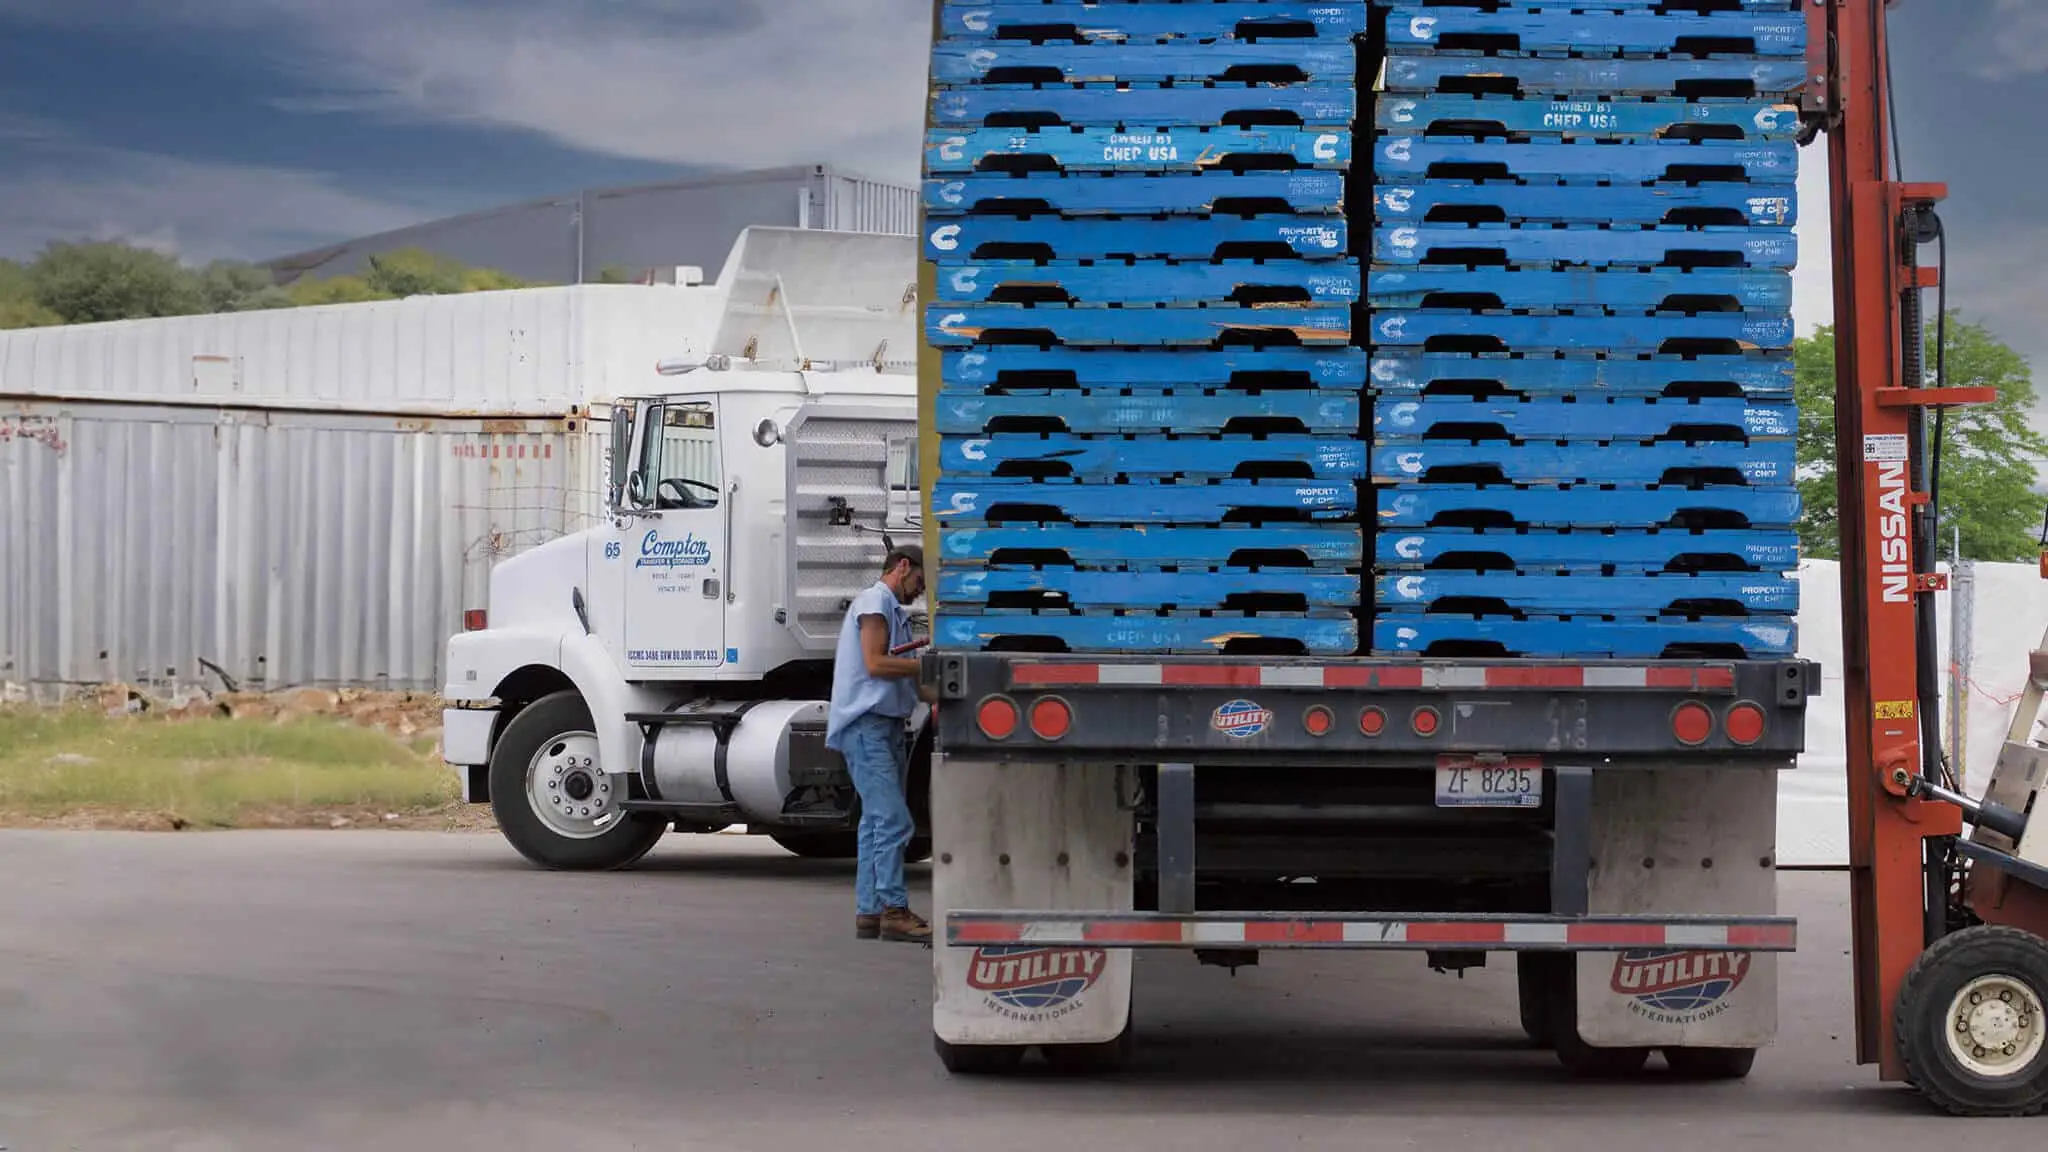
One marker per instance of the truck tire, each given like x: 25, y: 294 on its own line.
x: 1532, y: 991
x: 1969, y: 1023
x: 819, y: 845
x: 978, y: 1059
x: 552, y: 802
x: 1579, y: 1058
x: 1710, y: 1063
x: 1093, y: 1059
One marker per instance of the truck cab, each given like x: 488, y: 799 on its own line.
x: 670, y: 664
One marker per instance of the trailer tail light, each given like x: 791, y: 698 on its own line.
x: 1318, y: 720
x: 1051, y: 719
x: 475, y: 620
x: 997, y: 718
x: 1691, y: 723
x: 1425, y: 721
x: 1744, y: 724
x: 1372, y: 721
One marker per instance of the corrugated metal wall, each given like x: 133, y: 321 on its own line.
x: 855, y: 204
x: 288, y: 549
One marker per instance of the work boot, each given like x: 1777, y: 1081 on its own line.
x: 867, y: 926
x: 903, y: 924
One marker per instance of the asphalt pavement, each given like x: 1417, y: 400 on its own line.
x: 386, y: 990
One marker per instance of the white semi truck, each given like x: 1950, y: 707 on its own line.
x: 670, y: 667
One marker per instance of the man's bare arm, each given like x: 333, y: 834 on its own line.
x: 874, y: 646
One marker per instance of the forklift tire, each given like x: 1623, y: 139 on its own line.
x: 551, y: 726
x: 978, y: 1059
x: 1970, y: 1024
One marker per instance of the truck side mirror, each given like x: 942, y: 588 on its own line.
x: 620, y: 463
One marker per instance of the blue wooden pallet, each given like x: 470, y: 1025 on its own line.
x: 1601, y: 119
x: 1312, y: 104
x: 1573, y: 333
x: 1300, y: 192
x: 1410, y: 29
x: 1016, y: 61
x: 1757, y: 375
x: 1321, y: 20
x: 1765, y: 206
x: 1178, y: 238
x: 1011, y: 368
x: 1586, y: 639
x: 1107, y: 458
x: 1067, y: 588
x: 1625, y: 553
x: 1746, y: 593
x: 1118, y: 150
x: 1142, y: 548
x: 1596, y: 7
x: 1590, y: 418
x: 1770, y: 462
x: 1596, y: 77
x: 1165, y: 635
x: 1420, y: 506
x: 1324, y: 282
x: 1585, y: 247
x: 967, y: 411
x: 1586, y: 161
x: 949, y: 325
x: 971, y: 500
x: 1624, y: 290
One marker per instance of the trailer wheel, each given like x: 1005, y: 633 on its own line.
x: 1093, y: 1059
x: 1533, y: 992
x: 978, y: 1059
x: 552, y: 800
x: 1710, y: 1063
x: 1581, y: 1059
x: 1969, y: 1022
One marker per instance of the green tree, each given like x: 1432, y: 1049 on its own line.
x: 99, y: 281
x: 1990, y: 455
x: 232, y: 286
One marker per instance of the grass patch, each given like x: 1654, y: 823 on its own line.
x: 77, y: 765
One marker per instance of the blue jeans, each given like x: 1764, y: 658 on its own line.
x: 878, y: 755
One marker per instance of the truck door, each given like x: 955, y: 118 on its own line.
x: 677, y: 553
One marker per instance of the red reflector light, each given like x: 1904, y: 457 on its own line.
x: 1318, y: 720
x: 1425, y: 721
x: 997, y: 718
x: 1051, y: 718
x: 474, y: 620
x: 1691, y: 723
x: 1745, y: 723
x: 1372, y: 721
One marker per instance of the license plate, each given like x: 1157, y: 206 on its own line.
x: 1464, y: 782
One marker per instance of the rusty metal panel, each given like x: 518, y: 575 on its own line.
x: 146, y: 543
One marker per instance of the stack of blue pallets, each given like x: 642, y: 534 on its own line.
x: 1579, y: 313
x: 1151, y: 416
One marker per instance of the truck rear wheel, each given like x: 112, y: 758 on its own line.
x: 552, y: 798
x: 1581, y: 1059
x: 979, y: 1059
x: 1970, y: 1022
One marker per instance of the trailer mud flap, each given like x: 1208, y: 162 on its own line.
x: 1030, y: 836
x: 1702, y: 840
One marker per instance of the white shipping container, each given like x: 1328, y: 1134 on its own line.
x: 145, y: 543
x: 314, y: 496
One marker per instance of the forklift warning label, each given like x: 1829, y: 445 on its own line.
x: 1028, y: 982
x: 1678, y: 987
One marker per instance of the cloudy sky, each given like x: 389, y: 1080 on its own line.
x: 254, y: 128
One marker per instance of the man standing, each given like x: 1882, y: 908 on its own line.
x: 873, y: 695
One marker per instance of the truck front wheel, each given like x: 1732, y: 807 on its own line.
x: 552, y: 798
